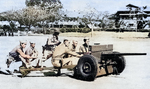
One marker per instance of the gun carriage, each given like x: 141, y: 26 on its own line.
x: 102, y: 60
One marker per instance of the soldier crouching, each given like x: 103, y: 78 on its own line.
x: 31, y: 51
x: 18, y: 54
x: 60, y: 51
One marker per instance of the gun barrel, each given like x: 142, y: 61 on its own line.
x: 123, y: 54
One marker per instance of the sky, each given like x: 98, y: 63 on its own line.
x: 111, y: 6
x: 6, y: 5
x: 103, y: 5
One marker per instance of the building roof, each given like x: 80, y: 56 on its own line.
x: 92, y: 26
x: 1, y: 30
x: 128, y: 13
x: 130, y: 5
x: 66, y: 23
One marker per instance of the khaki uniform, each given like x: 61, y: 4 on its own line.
x: 84, y: 49
x: 33, y: 53
x: 50, y: 46
x: 58, y: 55
x: 73, y: 49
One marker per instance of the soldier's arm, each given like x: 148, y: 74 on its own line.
x: 35, y: 53
x: 28, y: 52
x: 52, y: 43
x: 80, y: 49
x: 23, y: 54
x: 72, y: 53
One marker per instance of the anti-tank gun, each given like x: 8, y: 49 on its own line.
x: 101, y: 61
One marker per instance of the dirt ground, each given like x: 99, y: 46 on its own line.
x: 135, y: 76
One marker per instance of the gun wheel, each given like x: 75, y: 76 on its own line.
x: 120, y: 63
x: 87, y: 67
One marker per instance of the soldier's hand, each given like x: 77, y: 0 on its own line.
x: 79, y: 56
x: 87, y: 53
x: 34, y: 57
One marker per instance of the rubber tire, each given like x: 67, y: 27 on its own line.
x: 92, y: 62
x: 75, y: 75
x: 121, y: 63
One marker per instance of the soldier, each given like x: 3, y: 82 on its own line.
x: 74, y: 45
x: 17, y: 54
x: 31, y: 51
x: 85, y: 47
x: 50, y: 45
x: 73, y: 48
x: 58, y: 54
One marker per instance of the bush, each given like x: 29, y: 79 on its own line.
x: 83, y: 30
x: 143, y: 30
x: 48, y: 32
x: 115, y: 30
x: 86, y: 30
x: 63, y: 30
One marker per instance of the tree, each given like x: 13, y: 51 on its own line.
x: 2, y: 18
x: 89, y: 16
x: 42, y: 3
x: 9, y: 16
x: 85, y: 21
x: 19, y: 17
x: 141, y: 23
x: 104, y: 20
x: 29, y: 16
x: 41, y: 11
x: 6, y: 28
x: 49, y: 9
x: 36, y: 11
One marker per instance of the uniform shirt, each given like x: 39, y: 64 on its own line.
x: 73, y: 49
x: 30, y: 50
x: 52, y: 41
x: 16, y: 48
x: 84, y: 48
x: 15, y: 54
